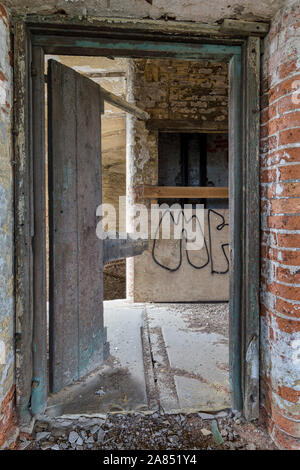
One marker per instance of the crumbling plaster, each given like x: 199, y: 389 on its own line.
x: 186, y: 10
x: 6, y: 213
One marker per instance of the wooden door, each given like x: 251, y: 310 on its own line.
x: 77, y: 335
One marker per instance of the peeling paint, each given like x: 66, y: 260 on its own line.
x: 6, y: 215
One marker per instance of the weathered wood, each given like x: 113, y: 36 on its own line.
x: 117, y: 47
x: 252, y: 238
x: 244, y: 28
x: 182, y: 192
x: 23, y: 223
x: 236, y: 232
x: 77, y: 334
x: 124, y: 105
x: 40, y: 376
x: 128, y: 26
x: 172, y: 125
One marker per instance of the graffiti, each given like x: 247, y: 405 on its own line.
x: 209, y: 252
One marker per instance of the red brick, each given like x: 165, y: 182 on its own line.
x: 287, y: 308
x: 269, y: 113
x: 288, y: 240
x: 285, y: 275
x: 289, y: 394
x: 287, y: 68
x: 8, y: 418
x: 286, y: 222
x: 290, y: 258
x: 283, y: 88
x: 289, y: 292
x: 284, y: 440
x: 285, y: 206
x: 291, y: 136
x: 288, y: 155
x: 284, y: 121
x: 287, y: 104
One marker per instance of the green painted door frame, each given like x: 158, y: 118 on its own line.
x: 37, y: 36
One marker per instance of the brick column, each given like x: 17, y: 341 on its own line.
x: 280, y: 244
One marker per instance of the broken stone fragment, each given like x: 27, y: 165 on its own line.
x: 42, y: 436
x: 205, y: 432
x: 73, y: 436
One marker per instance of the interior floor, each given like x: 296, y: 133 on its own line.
x: 167, y: 357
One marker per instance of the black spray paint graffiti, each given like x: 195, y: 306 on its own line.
x: 208, y: 249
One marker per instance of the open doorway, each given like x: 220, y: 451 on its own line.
x: 238, y: 309
x: 169, y: 344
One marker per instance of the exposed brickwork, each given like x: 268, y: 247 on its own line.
x: 8, y: 420
x: 280, y: 252
x: 180, y: 90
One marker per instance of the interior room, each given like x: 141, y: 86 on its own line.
x: 165, y: 310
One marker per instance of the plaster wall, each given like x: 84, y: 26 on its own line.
x: 7, y: 379
x: 186, y: 10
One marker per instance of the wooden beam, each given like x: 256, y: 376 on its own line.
x: 244, y: 28
x: 182, y: 192
x: 192, y: 125
x: 124, y: 105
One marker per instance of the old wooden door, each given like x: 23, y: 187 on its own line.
x: 77, y: 336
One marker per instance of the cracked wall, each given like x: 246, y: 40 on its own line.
x: 181, y: 10
x: 6, y: 233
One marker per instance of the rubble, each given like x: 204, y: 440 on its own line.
x: 156, y: 431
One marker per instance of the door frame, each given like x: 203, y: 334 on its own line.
x: 36, y: 36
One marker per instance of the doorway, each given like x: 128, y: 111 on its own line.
x: 243, y: 256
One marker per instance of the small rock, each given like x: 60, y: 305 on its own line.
x: 101, y: 434
x: 55, y: 447
x: 46, y: 445
x: 79, y: 441
x: 73, y: 436
x: 95, y: 429
x: 251, y: 446
x: 205, y: 432
x: 42, y: 435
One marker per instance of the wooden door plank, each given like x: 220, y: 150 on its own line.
x: 76, y: 316
x: 63, y: 322
x: 90, y: 249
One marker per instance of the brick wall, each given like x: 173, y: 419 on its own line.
x: 280, y: 251
x: 182, y: 90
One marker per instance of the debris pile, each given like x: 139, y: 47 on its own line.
x: 137, y: 431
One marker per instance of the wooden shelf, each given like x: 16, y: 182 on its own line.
x: 181, y: 192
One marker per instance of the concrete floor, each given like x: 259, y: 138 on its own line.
x: 168, y: 357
